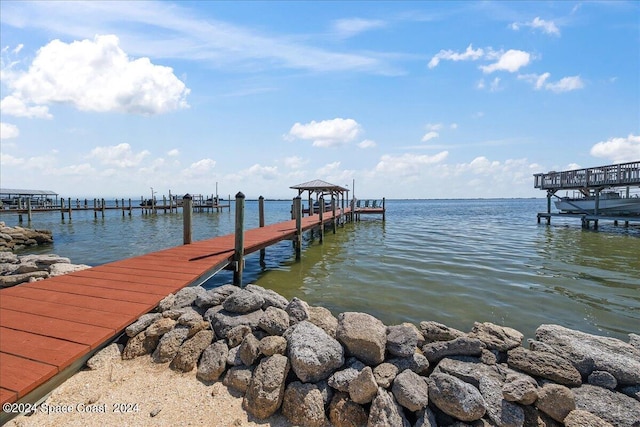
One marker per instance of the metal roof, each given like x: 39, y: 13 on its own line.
x: 15, y: 192
x: 318, y: 185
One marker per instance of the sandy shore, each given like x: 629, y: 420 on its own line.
x: 139, y: 392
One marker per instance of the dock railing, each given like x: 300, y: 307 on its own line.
x: 601, y: 176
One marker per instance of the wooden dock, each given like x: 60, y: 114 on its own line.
x: 50, y: 328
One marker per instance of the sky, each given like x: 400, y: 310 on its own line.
x: 390, y: 99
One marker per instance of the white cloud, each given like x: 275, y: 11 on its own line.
x: 200, y: 168
x: 295, y: 162
x: 97, y: 75
x: 540, y: 81
x: 8, y: 131
x: 511, y: 61
x: 17, y: 49
x: 173, y: 153
x: 350, y: 27
x: 367, y: 143
x: 407, y: 163
x: 83, y: 169
x: 618, y: 150
x: 9, y: 160
x: 12, y: 106
x: 327, y: 133
x: 120, y: 155
x: 468, y: 55
x: 547, y: 27
x: 430, y: 135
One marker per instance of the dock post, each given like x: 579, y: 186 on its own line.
x: 129, y: 207
x: 95, y: 209
x: 164, y: 204
x: 333, y: 209
x: 384, y: 210
x: 102, y: 208
x: 70, y: 208
x: 238, y: 257
x: 549, y: 194
x: 260, y: 224
x: 297, y: 213
x: 61, y: 208
x: 186, y: 218
x: 29, y: 209
x: 122, y: 207
x: 310, y: 204
x: 321, y: 215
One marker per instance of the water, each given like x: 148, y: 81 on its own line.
x: 452, y: 261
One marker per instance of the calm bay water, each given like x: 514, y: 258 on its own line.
x: 452, y: 261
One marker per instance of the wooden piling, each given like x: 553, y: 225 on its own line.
x: 321, y: 215
x: 297, y: 212
x: 238, y: 257
x: 187, y: 213
x: 334, y: 223
x: 260, y: 224
x: 62, y: 208
x: 102, y: 208
x: 70, y: 208
x: 29, y: 210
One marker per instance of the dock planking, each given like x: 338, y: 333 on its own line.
x: 48, y: 327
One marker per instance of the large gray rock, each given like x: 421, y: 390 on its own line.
x: 341, y: 379
x: 469, y: 370
x: 185, y: 297
x: 170, y: 344
x: 141, y: 324
x: 140, y: 345
x: 402, y: 340
x: 298, y: 310
x: 615, y: 408
x: 463, y: 346
x: 273, y: 344
x: 434, y: 331
x: 270, y: 297
x: 580, y: 418
x: 213, y: 361
x: 455, y: 397
x: 363, y: 388
x: 385, y: 373
x: 16, y: 279
x: 314, y: 355
x: 274, y: 321
x: 556, y: 401
x: 236, y: 335
x: 239, y: 378
x: 364, y: 336
x: 602, y: 379
x: 495, y: 337
x: 243, y: 301
x: 322, y: 318
x: 190, y: 351
x: 209, y: 298
x: 222, y: 321
x: 44, y: 260
x: 411, y: 390
x: 343, y: 412
x: 266, y: 389
x: 545, y: 365
x: 386, y: 412
x: 501, y: 412
x: 249, y: 350
x: 589, y: 353
x: 303, y: 404
x: 416, y: 362
x: 60, y: 269
x: 520, y: 388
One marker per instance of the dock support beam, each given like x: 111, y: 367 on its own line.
x: 333, y: 209
x: 321, y: 215
x: 260, y: 224
x: 297, y: 213
x: 187, y: 211
x: 238, y: 257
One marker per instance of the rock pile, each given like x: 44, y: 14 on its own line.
x: 16, y: 238
x: 319, y: 370
x: 16, y: 269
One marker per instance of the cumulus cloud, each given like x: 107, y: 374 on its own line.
x: 511, y: 61
x: 173, y: 153
x: 13, y: 106
x: 120, y: 155
x: 547, y: 27
x: 295, y: 162
x: 367, y: 143
x: 468, y: 55
x: 8, y: 131
x: 327, y: 133
x: 565, y: 84
x: 430, y: 135
x: 407, y: 163
x: 200, y: 168
x: 83, y: 169
x: 353, y: 26
x: 9, y: 160
x: 97, y: 75
x: 618, y: 150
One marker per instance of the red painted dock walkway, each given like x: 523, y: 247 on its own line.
x: 48, y: 329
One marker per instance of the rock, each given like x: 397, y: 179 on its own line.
x: 544, y: 365
x: 613, y: 407
x: 455, y: 397
x: 434, y: 331
x: 340, y: 380
x: 238, y: 378
x: 303, y: 405
x: 416, y: 362
x: 61, y: 269
x: 520, y: 388
x: 185, y: 297
x: 160, y: 327
x: 580, y: 418
x: 266, y: 389
x: 634, y: 340
x: 298, y: 310
x: 469, y: 370
x: 501, y: 412
x: 273, y: 344
x: 16, y: 279
x: 237, y: 334
x: 166, y: 303
x: 426, y: 418
x: 343, y: 412
x: 44, y: 260
x: 223, y: 321
x: 105, y: 357
x: 7, y: 257
x: 602, y: 379
x: 213, y: 361
x: 402, y: 340
x: 141, y: 324
x: 322, y: 318
x: 384, y: 374
x: 494, y: 337
x: 249, y: 350
x: 463, y: 346
x: 386, y: 412
x: 233, y: 357
x: 243, y: 301
x: 590, y: 353
x: 190, y: 351
x: 363, y: 336
x: 632, y: 391
x: 170, y: 344
x: 556, y: 401
x: 140, y: 345
x: 363, y: 388
x: 189, y: 317
x: 274, y: 321
x: 314, y: 355
x: 411, y: 391
x: 270, y: 297
x: 209, y: 299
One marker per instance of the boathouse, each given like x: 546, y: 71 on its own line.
x: 18, y: 199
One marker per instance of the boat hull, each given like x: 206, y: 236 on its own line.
x: 619, y: 206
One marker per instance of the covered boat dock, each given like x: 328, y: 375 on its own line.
x: 20, y: 199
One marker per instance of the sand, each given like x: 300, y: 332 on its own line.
x: 139, y: 392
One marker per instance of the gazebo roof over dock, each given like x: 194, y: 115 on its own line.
x: 10, y: 192
x: 319, y: 186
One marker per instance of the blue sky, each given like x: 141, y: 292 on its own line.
x: 407, y: 99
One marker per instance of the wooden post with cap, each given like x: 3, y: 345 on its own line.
x: 297, y: 212
x: 187, y: 212
x: 238, y: 257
